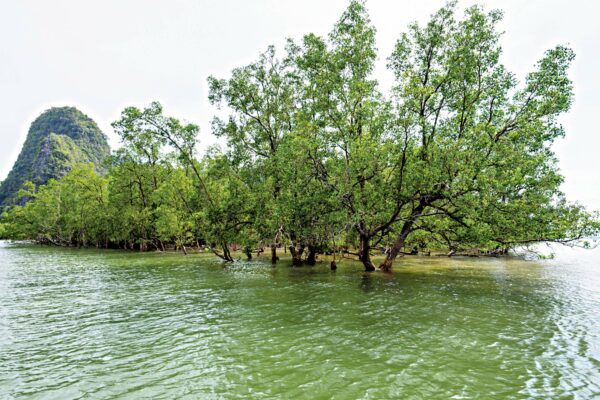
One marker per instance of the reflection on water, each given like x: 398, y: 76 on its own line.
x: 79, y: 323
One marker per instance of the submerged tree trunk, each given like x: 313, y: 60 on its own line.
x: 364, y: 253
x: 333, y: 264
x: 248, y: 252
x: 399, y: 243
x: 394, y: 251
x: 311, y: 258
x: 275, y: 244
x: 226, y: 256
x: 274, y: 257
x: 296, y: 254
x: 227, y: 253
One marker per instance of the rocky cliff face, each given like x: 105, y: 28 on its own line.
x: 57, y: 139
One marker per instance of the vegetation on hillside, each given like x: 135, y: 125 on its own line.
x: 318, y: 159
x: 57, y: 139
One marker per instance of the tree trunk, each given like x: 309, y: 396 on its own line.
x: 296, y: 254
x: 364, y: 253
x: 395, y: 250
x: 311, y: 258
x: 248, y: 252
x: 274, y: 257
x: 333, y: 265
x: 399, y: 243
x: 227, y: 255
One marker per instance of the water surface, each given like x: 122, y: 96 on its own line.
x: 109, y: 324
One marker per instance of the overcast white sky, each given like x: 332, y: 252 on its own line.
x: 101, y: 56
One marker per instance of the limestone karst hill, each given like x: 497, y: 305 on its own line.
x: 57, y: 139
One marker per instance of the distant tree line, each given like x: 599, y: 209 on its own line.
x: 458, y: 156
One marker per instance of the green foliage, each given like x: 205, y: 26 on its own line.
x: 70, y: 211
x: 57, y: 139
x: 458, y: 156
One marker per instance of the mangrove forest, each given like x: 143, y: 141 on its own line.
x: 317, y: 159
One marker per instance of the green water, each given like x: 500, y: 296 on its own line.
x: 108, y: 324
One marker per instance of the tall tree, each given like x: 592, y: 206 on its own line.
x: 481, y: 140
x: 358, y: 158
x: 261, y: 99
x: 181, y: 138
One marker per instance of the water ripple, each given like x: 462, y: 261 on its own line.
x: 87, y: 324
